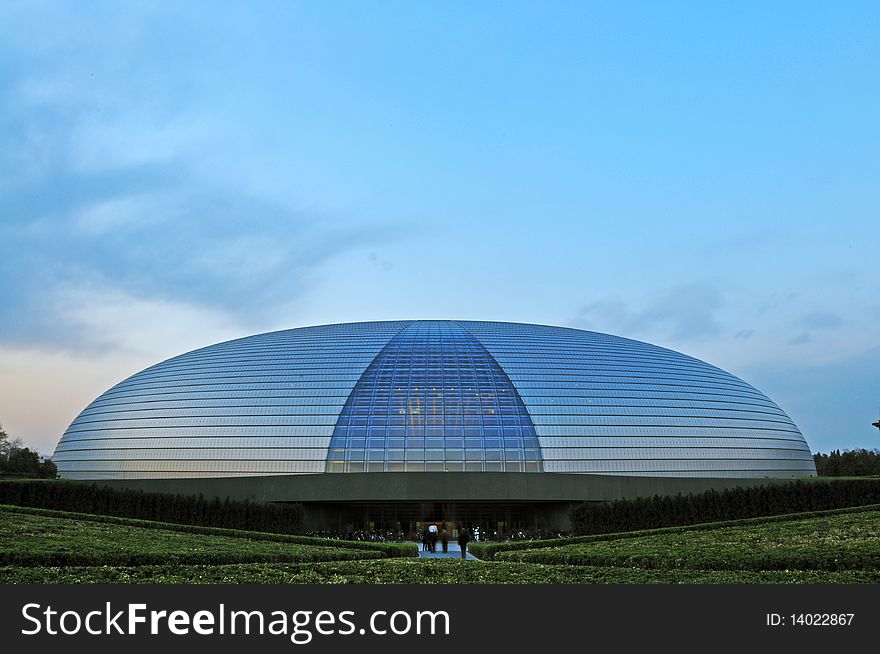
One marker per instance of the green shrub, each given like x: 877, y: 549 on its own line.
x: 385, y: 549
x: 731, y: 504
x: 844, y: 541
x: 489, y: 551
x: 30, y: 540
x: 403, y: 571
x: 184, y: 509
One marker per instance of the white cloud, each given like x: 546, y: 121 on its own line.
x: 124, y: 212
x: 144, y: 327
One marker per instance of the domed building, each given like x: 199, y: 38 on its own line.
x: 398, y: 422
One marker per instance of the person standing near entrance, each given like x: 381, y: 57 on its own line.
x: 432, y: 534
x: 464, y: 537
x: 444, y: 539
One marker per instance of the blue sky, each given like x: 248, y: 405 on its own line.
x: 697, y: 175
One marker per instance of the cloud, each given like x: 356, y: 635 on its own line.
x: 681, y: 314
x: 822, y: 320
x: 800, y: 339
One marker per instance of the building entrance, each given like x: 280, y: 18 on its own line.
x: 406, y: 520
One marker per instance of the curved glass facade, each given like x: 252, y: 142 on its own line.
x: 434, y: 400
x: 333, y: 398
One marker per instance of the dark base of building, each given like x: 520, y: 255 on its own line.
x: 406, y: 520
x: 406, y: 501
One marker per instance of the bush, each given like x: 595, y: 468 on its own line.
x: 38, y: 540
x: 387, y: 549
x: 495, y: 551
x: 732, y: 504
x: 402, y: 571
x: 184, y: 509
x: 843, y: 541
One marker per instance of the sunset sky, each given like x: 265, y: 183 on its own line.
x: 702, y: 176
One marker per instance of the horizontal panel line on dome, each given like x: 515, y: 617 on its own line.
x: 196, y: 432
x: 115, y: 447
x: 218, y: 471
x: 643, y: 385
x: 353, y: 354
x: 235, y: 381
x: 667, y: 380
x: 229, y: 388
x: 183, y: 442
x: 157, y: 398
x: 531, y: 347
x: 646, y: 400
x: 279, y: 454
x: 295, y: 340
x: 583, y: 382
x: 647, y: 403
x: 338, y: 345
x: 221, y: 407
x: 643, y: 391
x: 591, y: 359
x: 176, y: 424
x: 671, y: 413
x: 228, y: 421
x: 262, y: 370
x: 264, y: 373
x: 101, y: 474
x: 672, y: 453
x: 545, y: 418
x: 202, y: 464
x: 551, y: 363
x: 671, y: 423
x: 204, y: 412
x: 632, y: 431
x: 170, y: 414
x: 656, y: 465
x: 692, y: 411
x: 670, y: 441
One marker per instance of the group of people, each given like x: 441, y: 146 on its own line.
x: 431, y: 534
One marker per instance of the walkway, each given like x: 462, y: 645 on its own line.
x: 453, y: 553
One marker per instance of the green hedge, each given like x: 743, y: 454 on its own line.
x: 390, y: 550
x: 732, y: 504
x: 491, y: 551
x: 184, y: 509
x: 403, y: 571
x: 39, y: 540
x: 844, y: 541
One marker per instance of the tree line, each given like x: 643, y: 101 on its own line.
x: 848, y: 463
x: 19, y: 461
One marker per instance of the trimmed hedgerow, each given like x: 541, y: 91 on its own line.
x: 846, y: 541
x: 123, y: 502
x: 408, y: 571
x: 489, y: 551
x: 386, y: 549
x: 39, y: 540
x: 731, y: 504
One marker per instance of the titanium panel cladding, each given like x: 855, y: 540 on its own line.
x: 541, y: 399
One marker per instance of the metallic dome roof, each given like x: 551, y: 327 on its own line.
x: 432, y: 396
